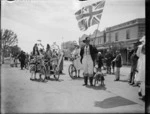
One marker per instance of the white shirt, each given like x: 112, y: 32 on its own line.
x: 86, y: 50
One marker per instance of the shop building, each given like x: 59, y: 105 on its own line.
x: 121, y: 36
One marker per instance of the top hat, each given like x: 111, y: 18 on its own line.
x: 87, y: 39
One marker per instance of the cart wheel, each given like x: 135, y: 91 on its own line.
x: 72, y: 71
x: 56, y: 73
x: 43, y: 73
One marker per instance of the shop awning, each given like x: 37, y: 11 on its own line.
x: 100, y: 48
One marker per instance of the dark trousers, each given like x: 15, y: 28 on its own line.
x: 22, y: 64
x: 113, y: 67
x: 132, y: 76
x: 86, y: 80
x: 109, y: 69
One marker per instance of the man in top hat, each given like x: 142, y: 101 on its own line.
x: 88, y: 55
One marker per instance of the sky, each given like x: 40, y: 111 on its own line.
x: 54, y: 20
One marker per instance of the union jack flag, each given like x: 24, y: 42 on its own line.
x: 90, y: 15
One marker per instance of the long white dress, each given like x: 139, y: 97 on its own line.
x: 140, y: 76
x: 77, y: 63
x: 141, y: 72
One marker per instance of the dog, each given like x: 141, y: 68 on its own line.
x: 99, y: 76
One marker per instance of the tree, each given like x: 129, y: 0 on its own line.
x: 68, y: 47
x: 15, y: 50
x: 8, y: 38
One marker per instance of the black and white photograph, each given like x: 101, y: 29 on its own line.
x: 73, y: 56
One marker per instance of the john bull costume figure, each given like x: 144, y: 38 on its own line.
x: 88, y: 55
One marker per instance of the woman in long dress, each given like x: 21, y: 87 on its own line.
x: 33, y: 61
x: 11, y: 60
x: 48, y: 57
x: 142, y: 72
x: 140, y: 64
x: 76, y: 55
x: 140, y: 76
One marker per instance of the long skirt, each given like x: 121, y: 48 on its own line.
x: 77, y: 63
x: 11, y: 61
x: 88, y: 66
x: 140, y: 76
x: 142, y: 88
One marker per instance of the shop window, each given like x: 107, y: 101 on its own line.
x: 99, y: 40
x: 127, y: 34
x: 116, y: 36
x: 109, y: 37
x: 104, y: 37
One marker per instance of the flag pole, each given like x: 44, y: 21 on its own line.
x: 96, y: 31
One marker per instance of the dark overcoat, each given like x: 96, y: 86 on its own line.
x: 93, y: 52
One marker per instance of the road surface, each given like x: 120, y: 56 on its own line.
x: 20, y: 95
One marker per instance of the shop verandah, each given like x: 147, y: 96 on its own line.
x: 125, y: 48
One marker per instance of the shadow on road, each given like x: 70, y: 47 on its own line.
x: 113, y: 102
x: 60, y: 80
x: 100, y: 87
x: 81, y: 78
x: 123, y: 80
x: 38, y: 80
x: 62, y: 74
x: 53, y: 79
x: 122, y: 75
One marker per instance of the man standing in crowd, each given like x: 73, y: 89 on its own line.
x: 88, y: 55
x: 22, y: 58
x: 108, y: 61
x: 118, y: 63
x: 134, y: 59
x: 113, y: 62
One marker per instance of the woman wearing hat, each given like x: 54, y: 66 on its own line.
x: 76, y: 55
x: 140, y: 66
x: 88, y: 55
x: 141, y: 73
